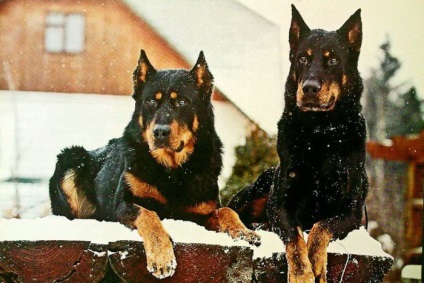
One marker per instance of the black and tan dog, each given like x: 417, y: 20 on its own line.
x: 321, y: 183
x: 165, y: 165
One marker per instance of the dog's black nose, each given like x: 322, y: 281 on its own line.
x: 311, y: 87
x: 161, y: 132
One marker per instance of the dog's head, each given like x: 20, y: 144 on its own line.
x: 323, y: 63
x: 168, y: 104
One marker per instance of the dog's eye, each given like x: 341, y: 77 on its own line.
x: 303, y: 60
x: 181, y: 102
x: 333, y: 62
x: 152, y: 102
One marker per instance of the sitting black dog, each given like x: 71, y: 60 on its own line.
x: 321, y: 183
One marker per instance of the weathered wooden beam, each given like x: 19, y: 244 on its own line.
x: 341, y: 268
x: 52, y: 261
x: 196, y: 263
x: 215, y: 258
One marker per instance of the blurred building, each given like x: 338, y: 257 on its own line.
x: 66, y: 72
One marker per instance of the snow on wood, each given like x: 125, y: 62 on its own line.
x: 94, y: 249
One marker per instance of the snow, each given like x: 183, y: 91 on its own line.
x: 357, y: 242
x: 101, y: 232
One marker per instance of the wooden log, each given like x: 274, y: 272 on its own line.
x: 195, y: 263
x: 52, y: 261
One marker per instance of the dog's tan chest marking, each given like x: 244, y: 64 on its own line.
x: 143, y: 190
x: 80, y: 206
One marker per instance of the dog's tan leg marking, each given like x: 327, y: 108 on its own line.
x: 299, y: 266
x: 160, y: 256
x: 80, y: 206
x: 203, y: 208
x: 318, y: 240
x: 227, y: 220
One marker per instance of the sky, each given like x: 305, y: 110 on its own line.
x: 401, y: 21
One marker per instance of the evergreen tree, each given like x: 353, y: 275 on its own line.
x: 378, y: 91
x: 387, y: 111
x: 408, y: 109
x: 255, y: 156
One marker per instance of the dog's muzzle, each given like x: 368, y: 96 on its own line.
x: 162, y: 135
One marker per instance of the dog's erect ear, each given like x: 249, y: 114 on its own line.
x: 298, y: 29
x: 143, y: 71
x: 351, y: 31
x: 202, y: 76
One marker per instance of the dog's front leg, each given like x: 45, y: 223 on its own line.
x: 226, y: 220
x: 320, y: 236
x: 318, y: 240
x: 299, y: 265
x: 157, y: 243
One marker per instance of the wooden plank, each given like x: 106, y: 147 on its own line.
x: 69, y: 261
x: 341, y: 268
x: 195, y: 263
x: 52, y: 261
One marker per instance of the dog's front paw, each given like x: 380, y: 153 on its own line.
x: 245, y: 234
x: 162, y: 263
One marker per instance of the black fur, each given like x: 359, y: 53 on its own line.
x: 321, y: 176
x: 100, y: 173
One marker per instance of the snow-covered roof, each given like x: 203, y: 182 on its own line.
x: 242, y: 48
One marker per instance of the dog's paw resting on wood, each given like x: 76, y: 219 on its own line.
x: 166, y: 165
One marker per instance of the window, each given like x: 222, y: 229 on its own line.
x: 64, y: 33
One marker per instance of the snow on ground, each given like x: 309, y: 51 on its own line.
x: 60, y: 228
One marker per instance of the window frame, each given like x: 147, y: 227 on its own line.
x: 63, y: 27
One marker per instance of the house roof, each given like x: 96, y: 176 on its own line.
x: 243, y: 49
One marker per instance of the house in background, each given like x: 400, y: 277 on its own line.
x: 66, y: 72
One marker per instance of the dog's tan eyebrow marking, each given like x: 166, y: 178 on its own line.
x: 158, y: 96
x: 174, y: 95
x: 327, y: 53
x: 309, y: 51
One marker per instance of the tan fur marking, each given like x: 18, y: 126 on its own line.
x: 158, y: 96
x: 143, y: 72
x: 299, y: 266
x: 174, y: 95
x: 142, y: 189
x: 318, y: 240
x: 200, y: 72
x: 294, y: 30
x: 354, y: 35
x: 327, y: 93
x: 344, y: 80
x: 309, y: 52
x: 156, y: 241
x: 140, y: 121
x: 203, y: 208
x: 227, y: 220
x: 169, y: 157
x: 326, y: 53
x: 80, y: 206
x: 258, y: 207
x: 195, y: 125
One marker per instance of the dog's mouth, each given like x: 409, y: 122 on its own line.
x: 166, y: 146
x: 311, y: 106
